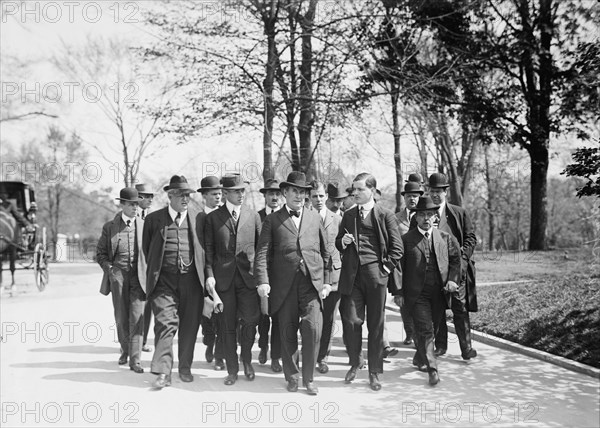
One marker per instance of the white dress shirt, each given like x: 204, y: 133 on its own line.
x: 174, y: 213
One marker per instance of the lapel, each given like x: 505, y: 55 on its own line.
x: 139, y: 227
x: 244, y: 216
x: 353, y: 219
x: 305, y: 221
x: 440, y: 248
x: 443, y: 220
x: 286, y: 220
x: 226, y: 218
x: 328, y: 219
x: 114, y: 235
x: 421, y: 242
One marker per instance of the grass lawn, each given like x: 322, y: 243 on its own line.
x: 558, y: 313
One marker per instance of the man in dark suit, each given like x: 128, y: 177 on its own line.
x: 412, y: 191
x: 146, y: 198
x: 292, y: 267
x: 231, y: 234
x: 118, y: 254
x: 212, y: 328
x: 272, y: 194
x: 430, y: 267
x: 175, y: 283
x: 331, y: 224
x: 370, y: 245
x: 455, y: 220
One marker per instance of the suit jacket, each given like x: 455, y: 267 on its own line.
x: 331, y: 225
x: 229, y: 247
x: 403, y: 221
x: 153, y: 245
x: 414, y: 261
x: 277, y: 259
x: 390, y: 247
x: 107, y: 246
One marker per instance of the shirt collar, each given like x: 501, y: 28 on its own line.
x: 368, y: 206
x: 125, y: 218
x: 208, y: 210
x: 323, y: 213
x: 442, y: 207
x: 174, y: 213
x: 289, y: 210
x: 430, y: 231
x: 270, y: 210
x: 231, y: 208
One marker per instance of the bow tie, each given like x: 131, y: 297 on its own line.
x: 294, y: 213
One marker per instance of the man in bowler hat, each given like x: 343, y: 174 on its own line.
x: 175, y: 282
x: 430, y: 267
x: 456, y: 221
x: 119, y: 255
x: 230, y: 235
x: 335, y: 198
x: 212, y: 335
x: 370, y: 245
x: 292, y: 267
x: 146, y: 198
x: 272, y: 194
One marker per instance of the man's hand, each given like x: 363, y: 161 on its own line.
x: 325, y: 291
x: 399, y: 300
x: 451, y: 287
x: 263, y: 290
x: 347, y: 239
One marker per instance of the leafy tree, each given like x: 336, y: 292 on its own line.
x: 586, y: 166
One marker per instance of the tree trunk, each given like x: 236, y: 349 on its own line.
x: 489, y: 202
x: 397, y: 155
x: 269, y: 26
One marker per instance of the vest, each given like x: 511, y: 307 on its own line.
x: 179, y: 252
x: 126, y: 253
x: 368, y: 241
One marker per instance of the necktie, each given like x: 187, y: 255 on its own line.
x: 143, y: 214
x: 234, y: 215
x: 362, y: 213
x: 128, y: 223
x: 427, y: 246
x: 177, y: 218
x: 295, y: 213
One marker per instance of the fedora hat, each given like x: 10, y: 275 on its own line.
x: 335, y: 192
x: 128, y: 194
x: 412, y: 187
x: 295, y: 179
x: 233, y: 182
x: 415, y: 177
x: 437, y: 179
x: 270, y: 184
x: 425, y: 203
x: 210, y: 182
x: 179, y: 182
x: 141, y: 188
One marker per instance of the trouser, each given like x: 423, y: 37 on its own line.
x: 240, y: 305
x: 147, y: 320
x: 176, y: 304
x: 425, y: 313
x: 264, y: 324
x: 368, y: 294
x: 462, y: 323
x: 212, y: 334
x: 301, y: 310
x: 128, y: 304
x: 330, y: 305
x: 407, y: 321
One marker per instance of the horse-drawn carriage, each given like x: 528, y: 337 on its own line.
x: 19, y: 243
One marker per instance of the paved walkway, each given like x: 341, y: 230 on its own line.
x: 58, y: 367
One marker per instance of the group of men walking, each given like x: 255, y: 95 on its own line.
x: 286, y: 269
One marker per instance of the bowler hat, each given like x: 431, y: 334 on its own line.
x: 270, y: 184
x: 233, y: 182
x: 438, y: 179
x: 415, y: 177
x: 128, y: 194
x: 210, y: 182
x: 296, y: 179
x: 425, y: 203
x: 412, y: 187
x: 179, y: 182
x: 335, y: 192
x: 141, y: 188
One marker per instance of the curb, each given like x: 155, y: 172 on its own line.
x: 489, y: 339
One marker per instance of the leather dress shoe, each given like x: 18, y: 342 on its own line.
x: 137, y: 368
x: 322, y: 367
x: 408, y: 341
x: 276, y: 366
x: 471, y: 353
x: 123, y: 358
x: 374, y: 381
x: 389, y: 352
x: 147, y: 348
x: 262, y: 355
x: 351, y: 375
x: 311, y: 388
x: 439, y: 352
x: 249, y: 371
x: 292, y: 385
x: 186, y: 377
x: 162, y: 381
x: 219, y: 364
x: 230, y: 379
x: 208, y: 354
x: 434, y: 378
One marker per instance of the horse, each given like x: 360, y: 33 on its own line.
x: 8, y: 234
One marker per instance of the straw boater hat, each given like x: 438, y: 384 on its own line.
x: 141, y: 188
x: 179, y: 182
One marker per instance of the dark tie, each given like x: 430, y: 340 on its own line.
x: 177, y: 218
x: 295, y: 213
x: 143, y: 214
x: 362, y: 213
x: 128, y: 223
x: 427, y: 246
x: 234, y: 215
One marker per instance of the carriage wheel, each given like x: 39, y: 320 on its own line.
x: 40, y: 266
